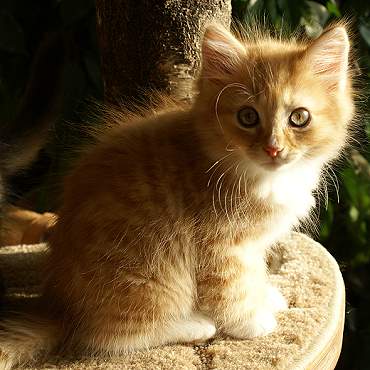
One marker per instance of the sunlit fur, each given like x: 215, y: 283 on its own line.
x: 167, y: 221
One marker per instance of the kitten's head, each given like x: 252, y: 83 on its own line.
x: 277, y: 103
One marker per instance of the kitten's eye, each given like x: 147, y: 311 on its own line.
x: 300, y: 117
x: 248, y: 117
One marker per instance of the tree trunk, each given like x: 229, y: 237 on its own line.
x: 153, y: 44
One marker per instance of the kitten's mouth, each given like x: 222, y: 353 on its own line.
x: 273, y: 165
x: 281, y: 161
x: 276, y: 164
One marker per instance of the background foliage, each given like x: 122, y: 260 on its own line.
x: 345, y: 226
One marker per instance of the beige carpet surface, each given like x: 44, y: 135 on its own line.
x: 304, y: 271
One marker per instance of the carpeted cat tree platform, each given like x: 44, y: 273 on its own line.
x: 309, y: 335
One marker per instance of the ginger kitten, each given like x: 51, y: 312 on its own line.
x: 166, y: 222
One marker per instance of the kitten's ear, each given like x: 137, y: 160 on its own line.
x: 221, y: 52
x: 328, y: 57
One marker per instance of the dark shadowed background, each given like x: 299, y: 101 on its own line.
x: 27, y: 28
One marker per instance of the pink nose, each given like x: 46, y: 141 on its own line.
x: 272, y: 151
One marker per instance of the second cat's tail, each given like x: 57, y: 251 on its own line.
x: 25, y: 338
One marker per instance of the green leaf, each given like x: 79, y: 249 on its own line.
x: 272, y: 10
x: 293, y: 10
x: 350, y: 184
x: 353, y: 213
x: 318, y: 12
x: 333, y: 9
x: 365, y: 33
x: 327, y: 222
x: 314, y: 19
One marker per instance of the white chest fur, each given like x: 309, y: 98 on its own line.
x: 291, y: 191
x: 291, y: 188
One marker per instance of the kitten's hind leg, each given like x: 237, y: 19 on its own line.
x: 196, y: 328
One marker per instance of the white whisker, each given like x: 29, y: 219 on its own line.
x: 235, y: 84
x: 218, y: 161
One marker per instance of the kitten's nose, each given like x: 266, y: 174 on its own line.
x: 272, y: 151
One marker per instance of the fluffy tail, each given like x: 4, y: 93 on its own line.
x: 26, y: 338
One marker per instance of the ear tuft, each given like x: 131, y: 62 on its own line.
x: 221, y: 52
x: 328, y: 56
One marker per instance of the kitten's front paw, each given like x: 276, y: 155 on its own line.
x: 261, y: 323
x: 275, y: 300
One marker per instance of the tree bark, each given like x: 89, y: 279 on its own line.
x: 153, y: 44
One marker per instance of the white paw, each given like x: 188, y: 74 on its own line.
x: 261, y: 323
x: 198, y: 328
x: 262, y: 320
x: 202, y: 327
x: 275, y: 300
